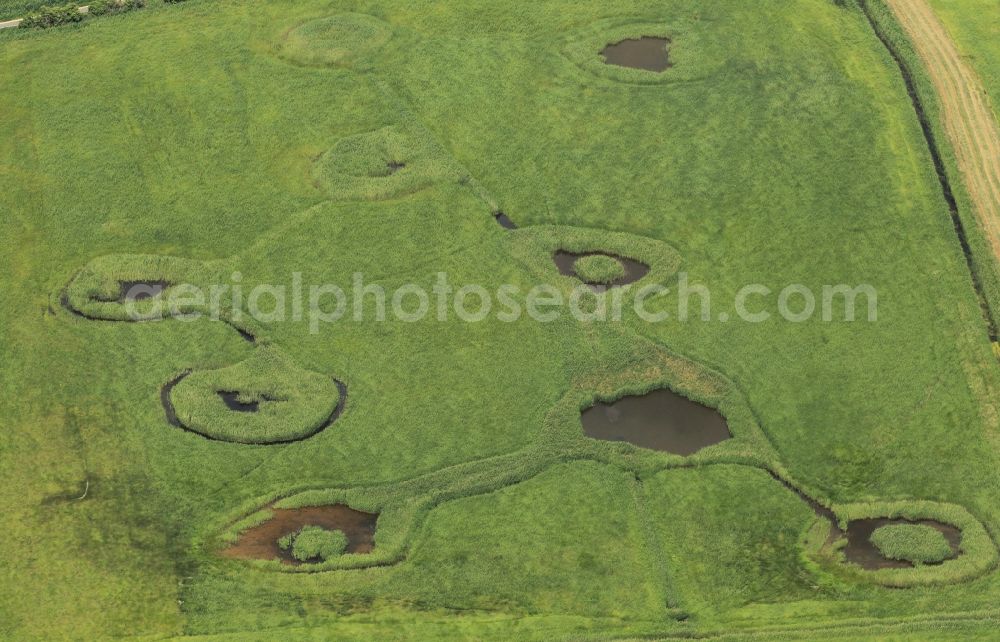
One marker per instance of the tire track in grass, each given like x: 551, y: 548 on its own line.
x: 942, y: 173
x: 963, y: 96
x: 968, y: 119
x: 659, y: 570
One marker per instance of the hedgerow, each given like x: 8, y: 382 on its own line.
x: 103, y: 7
x: 55, y: 15
x: 52, y: 16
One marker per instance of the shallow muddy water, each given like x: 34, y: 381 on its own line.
x: 647, y: 52
x: 261, y: 541
x: 566, y: 263
x: 140, y: 290
x: 505, y: 221
x: 861, y: 551
x: 232, y: 401
x: 660, y: 420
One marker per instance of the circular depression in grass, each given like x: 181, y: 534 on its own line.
x: 916, y: 543
x: 646, y: 52
x: 275, y: 537
x: 267, y: 399
x: 335, y: 40
x: 386, y: 163
x: 599, y: 268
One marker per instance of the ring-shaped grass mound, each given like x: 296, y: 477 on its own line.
x: 633, y: 368
x: 97, y: 291
x: 917, y: 543
x: 977, y: 553
x: 536, y: 246
x: 382, y: 164
x: 599, y: 268
x: 284, y: 402
x: 314, y: 543
x: 337, y: 40
x: 390, y: 516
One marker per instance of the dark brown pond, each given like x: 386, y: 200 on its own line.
x: 647, y: 52
x: 861, y: 551
x: 261, y: 542
x: 660, y: 420
x: 232, y: 401
x: 140, y: 290
x: 566, y: 263
x: 505, y: 221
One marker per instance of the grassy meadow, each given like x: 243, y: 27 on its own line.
x: 18, y: 8
x: 780, y: 148
x: 974, y: 25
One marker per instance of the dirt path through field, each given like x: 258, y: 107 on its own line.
x: 969, y: 122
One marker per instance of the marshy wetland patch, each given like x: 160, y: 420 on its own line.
x: 568, y: 265
x: 235, y: 401
x: 382, y: 164
x: 264, y: 400
x: 649, y: 53
x: 504, y: 221
x: 141, y: 290
x: 659, y: 420
x: 263, y: 541
x: 860, y: 549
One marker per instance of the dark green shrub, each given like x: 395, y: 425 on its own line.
x: 52, y: 16
x: 285, y: 541
x: 103, y: 7
x: 314, y: 543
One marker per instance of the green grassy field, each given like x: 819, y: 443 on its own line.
x: 975, y: 27
x: 780, y: 148
x: 19, y: 8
